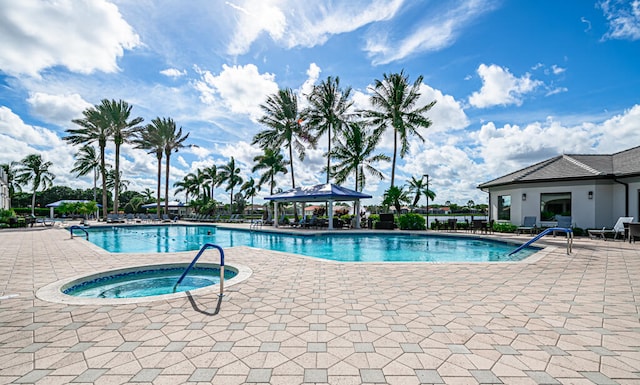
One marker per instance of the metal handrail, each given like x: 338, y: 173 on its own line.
x: 79, y: 228
x: 568, y: 231
x: 192, y: 264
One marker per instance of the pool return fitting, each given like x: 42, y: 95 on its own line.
x: 202, y: 249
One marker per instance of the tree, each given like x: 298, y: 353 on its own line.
x: 9, y: 170
x: 354, y: 155
x: 272, y: 162
x: 151, y: 139
x: 327, y: 112
x: 250, y: 189
x: 211, y: 179
x: 173, y: 141
x: 147, y: 195
x: 35, y: 171
x: 93, y: 129
x: 471, y: 204
x: 395, y: 102
x: 116, y: 114
x: 419, y: 188
x: 112, y: 179
x: 190, y: 184
x: 87, y: 160
x: 230, y: 173
x: 395, y: 196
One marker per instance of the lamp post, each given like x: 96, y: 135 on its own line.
x: 427, y: 175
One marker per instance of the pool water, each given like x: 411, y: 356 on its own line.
x: 144, y: 283
x: 344, y: 247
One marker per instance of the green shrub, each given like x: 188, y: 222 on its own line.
x: 411, y: 222
x: 504, y: 228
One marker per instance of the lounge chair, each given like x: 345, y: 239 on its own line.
x: 634, y: 231
x: 529, y: 225
x: 563, y: 221
x: 618, y: 229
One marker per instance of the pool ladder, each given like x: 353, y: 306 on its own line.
x: 76, y: 227
x: 193, y: 263
x: 568, y: 231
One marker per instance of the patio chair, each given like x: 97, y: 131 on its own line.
x: 634, y: 231
x: 617, y: 229
x: 563, y: 221
x: 529, y: 225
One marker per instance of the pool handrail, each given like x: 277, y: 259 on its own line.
x: 567, y: 230
x: 192, y: 264
x: 74, y: 227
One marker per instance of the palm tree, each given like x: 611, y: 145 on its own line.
x: 230, y: 173
x: 93, y: 129
x: 33, y: 169
x: 87, y: 161
x: 147, y: 195
x: 354, y: 153
x: 327, y: 112
x: 272, y: 162
x: 173, y: 141
x: 123, y: 184
x: 395, y: 102
x: 250, y: 190
x: 419, y: 188
x: 122, y: 129
x: 284, y: 127
x: 395, y: 196
x: 189, y: 184
x: 211, y: 179
x: 151, y: 138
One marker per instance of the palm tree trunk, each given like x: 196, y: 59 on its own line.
x: 116, y: 195
x: 166, y: 184
x: 33, y: 201
x: 103, y: 171
x: 293, y: 182
x: 329, y: 155
x: 395, y: 151
x: 159, y: 184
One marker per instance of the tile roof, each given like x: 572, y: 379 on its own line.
x: 575, y: 166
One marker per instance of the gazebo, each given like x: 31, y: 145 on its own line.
x: 52, y: 206
x: 327, y: 192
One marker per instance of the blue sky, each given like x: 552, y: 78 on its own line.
x: 515, y: 82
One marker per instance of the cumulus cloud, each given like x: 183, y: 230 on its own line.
x: 292, y: 23
x: 429, y: 33
x: 59, y: 109
x: 240, y: 88
x: 38, y: 35
x: 500, y: 87
x: 173, y: 73
x: 623, y: 17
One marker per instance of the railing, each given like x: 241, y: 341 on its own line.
x: 568, y: 231
x: 76, y: 227
x: 256, y: 224
x: 202, y: 249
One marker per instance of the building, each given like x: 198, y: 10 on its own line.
x: 5, y: 198
x: 595, y: 190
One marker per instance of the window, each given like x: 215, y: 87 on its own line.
x: 553, y: 204
x: 504, y: 207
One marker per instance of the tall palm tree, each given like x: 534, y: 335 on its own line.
x: 327, y: 111
x: 93, y: 129
x: 230, y: 173
x: 151, y: 139
x: 396, y: 196
x: 35, y: 171
x: 272, y: 162
x: 87, y: 160
x: 212, y: 179
x: 419, y: 188
x: 395, y: 101
x: 189, y: 184
x: 284, y: 127
x: 147, y: 195
x: 354, y: 152
x: 173, y: 141
x: 122, y: 184
x: 122, y: 128
x: 250, y: 189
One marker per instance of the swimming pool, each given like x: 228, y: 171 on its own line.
x: 344, y: 247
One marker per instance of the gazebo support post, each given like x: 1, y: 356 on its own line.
x: 330, y: 215
x: 356, y: 212
x: 275, y: 214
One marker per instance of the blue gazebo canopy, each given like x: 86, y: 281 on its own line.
x: 59, y: 203
x: 318, y: 193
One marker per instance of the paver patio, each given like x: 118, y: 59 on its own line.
x: 557, y: 319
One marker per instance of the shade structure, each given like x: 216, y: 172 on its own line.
x: 53, y: 205
x: 327, y: 192
x: 172, y: 204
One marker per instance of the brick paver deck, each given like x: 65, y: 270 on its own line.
x: 557, y: 320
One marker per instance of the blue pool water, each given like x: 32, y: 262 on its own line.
x: 346, y: 247
x: 146, y: 282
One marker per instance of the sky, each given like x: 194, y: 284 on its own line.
x: 515, y: 82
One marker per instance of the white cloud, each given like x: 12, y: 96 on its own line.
x: 557, y: 70
x: 59, y: 109
x: 623, y: 17
x: 240, y: 88
x: 430, y: 33
x: 313, y: 73
x: 84, y: 36
x: 293, y: 23
x: 173, y: 73
x: 501, y: 87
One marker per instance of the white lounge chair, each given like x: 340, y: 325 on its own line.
x: 618, y: 229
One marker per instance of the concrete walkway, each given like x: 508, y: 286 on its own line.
x: 557, y: 319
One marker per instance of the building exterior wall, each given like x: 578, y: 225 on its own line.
x: 5, y: 202
x: 600, y: 209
